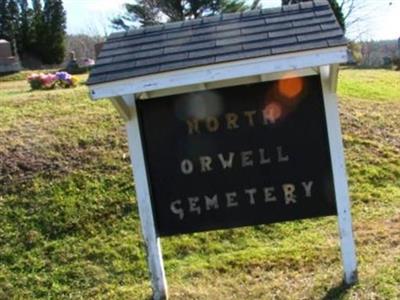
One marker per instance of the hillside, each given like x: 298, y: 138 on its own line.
x: 69, y: 225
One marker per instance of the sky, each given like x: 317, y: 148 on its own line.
x: 380, y: 19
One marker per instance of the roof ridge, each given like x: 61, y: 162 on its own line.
x: 183, y: 23
x: 216, y: 39
x: 218, y: 17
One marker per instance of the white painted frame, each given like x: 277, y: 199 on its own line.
x: 126, y: 106
x: 227, y: 83
x: 328, y: 76
x: 142, y: 187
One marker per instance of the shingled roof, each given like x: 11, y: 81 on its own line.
x: 217, y: 39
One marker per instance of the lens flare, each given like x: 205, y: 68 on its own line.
x: 290, y: 87
x: 198, y: 105
x: 272, y: 112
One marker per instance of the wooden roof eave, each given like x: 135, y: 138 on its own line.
x: 230, y: 73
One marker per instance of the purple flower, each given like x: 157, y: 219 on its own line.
x: 64, y: 76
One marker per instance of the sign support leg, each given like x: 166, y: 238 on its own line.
x: 151, y: 239
x: 340, y: 177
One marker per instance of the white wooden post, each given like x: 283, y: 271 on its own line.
x: 339, y: 175
x: 151, y: 239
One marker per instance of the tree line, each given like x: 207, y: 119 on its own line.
x: 35, y: 29
x: 153, y: 12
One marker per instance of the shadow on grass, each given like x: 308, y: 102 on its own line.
x: 337, y: 292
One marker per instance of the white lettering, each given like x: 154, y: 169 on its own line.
x: 193, y: 205
x: 205, y: 162
x: 250, y: 115
x: 288, y: 190
x: 268, y: 196
x: 186, y: 166
x: 211, y: 202
x: 177, y: 210
x: 193, y: 126
x: 263, y: 159
x: 307, y: 188
x: 212, y: 124
x: 230, y: 199
x: 231, y: 121
x: 281, y: 157
x: 226, y: 163
x: 246, y: 158
x: 251, y: 193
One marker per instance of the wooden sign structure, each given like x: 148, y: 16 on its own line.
x: 243, y: 155
x: 232, y: 120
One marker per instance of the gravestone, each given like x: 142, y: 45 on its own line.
x: 5, y: 49
x: 72, y: 65
x: 8, y: 62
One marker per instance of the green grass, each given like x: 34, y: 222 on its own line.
x: 370, y: 84
x: 69, y: 225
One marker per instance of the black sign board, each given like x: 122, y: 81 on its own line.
x: 237, y: 156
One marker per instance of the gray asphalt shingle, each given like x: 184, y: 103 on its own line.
x: 216, y: 39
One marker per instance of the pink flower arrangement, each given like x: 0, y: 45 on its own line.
x: 44, y: 81
x: 50, y: 81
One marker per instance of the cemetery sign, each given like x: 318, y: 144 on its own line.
x: 242, y: 155
x: 232, y: 120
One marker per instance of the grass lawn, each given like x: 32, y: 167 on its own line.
x: 69, y: 225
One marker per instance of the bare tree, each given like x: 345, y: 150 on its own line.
x: 352, y: 14
x: 358, y: 15
x: 83, y: 45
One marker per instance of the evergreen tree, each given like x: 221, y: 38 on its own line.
x: 13, y: 13
x: 38, y: 30
x: 9, y: 21
x: 24, y: 36
x: 337, y: 9
x: 3, y: 19
x: 54, y: 18
x: 150, y: 12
